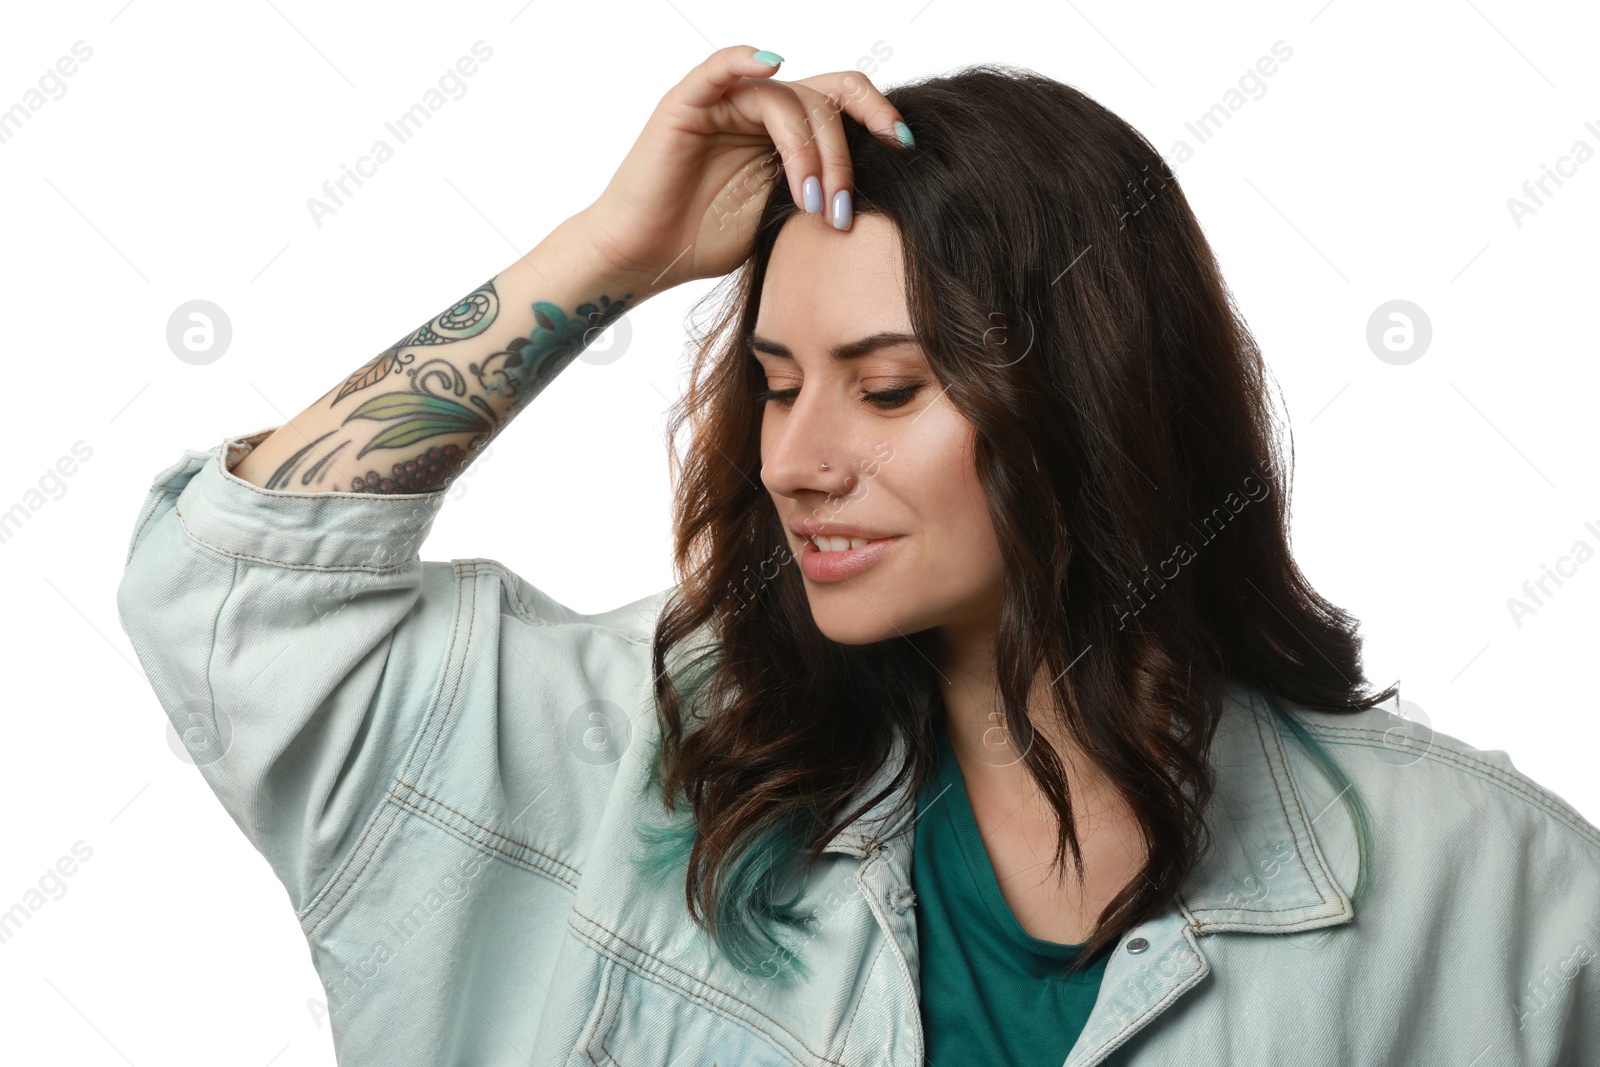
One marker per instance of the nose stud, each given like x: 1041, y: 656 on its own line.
x: 824, y: 466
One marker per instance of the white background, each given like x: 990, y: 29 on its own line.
x: 177, y: 164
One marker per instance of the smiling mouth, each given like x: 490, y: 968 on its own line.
x: 837, y: 565
x: 843, y: 544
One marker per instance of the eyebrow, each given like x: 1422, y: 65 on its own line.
x: 841, y: 352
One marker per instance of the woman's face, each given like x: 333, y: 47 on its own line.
x: 899, y: 455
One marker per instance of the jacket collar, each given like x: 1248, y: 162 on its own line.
x: 1264, y: 871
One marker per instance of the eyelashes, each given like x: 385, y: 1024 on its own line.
x: 883, y: 400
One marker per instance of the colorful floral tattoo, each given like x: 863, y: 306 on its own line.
x: 439, y: 399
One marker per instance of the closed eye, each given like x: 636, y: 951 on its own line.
x: 884, y: 399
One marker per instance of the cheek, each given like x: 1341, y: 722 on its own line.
x: 953, y: 506
x: 767, y: 436
x: 971, y: 530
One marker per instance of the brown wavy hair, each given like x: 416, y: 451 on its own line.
x: 1065, y: 296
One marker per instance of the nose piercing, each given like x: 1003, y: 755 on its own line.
x: 824, y: 466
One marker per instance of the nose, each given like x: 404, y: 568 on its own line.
x: 793, y: 453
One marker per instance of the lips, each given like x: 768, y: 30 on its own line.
x: 842, y: 544
x: 820, y: 566
x: 828, y: 528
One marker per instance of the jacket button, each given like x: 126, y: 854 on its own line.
x: 1138, y: 944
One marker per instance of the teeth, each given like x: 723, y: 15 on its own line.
x: 839, y: 544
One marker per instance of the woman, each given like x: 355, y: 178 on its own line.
x: 984, y: 564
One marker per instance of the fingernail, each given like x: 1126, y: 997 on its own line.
x: 902, y: 131
x: 771, y: 59
x: 841, y: 209
x: 811, y: 189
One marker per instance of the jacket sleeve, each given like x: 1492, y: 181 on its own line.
x: 287, y: 637
x: 1556, y: 1008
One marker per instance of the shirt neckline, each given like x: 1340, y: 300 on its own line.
x: 979, y: 867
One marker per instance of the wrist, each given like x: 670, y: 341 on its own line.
x: 586, y: 241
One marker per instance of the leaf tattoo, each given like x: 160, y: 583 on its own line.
x: 416, y: 416
x: 467, y: 317
x: 438, y: 402
x: 525, y: 366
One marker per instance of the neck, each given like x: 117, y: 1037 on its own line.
x: 990, y: 755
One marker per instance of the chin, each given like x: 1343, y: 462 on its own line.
x: 854, y: 619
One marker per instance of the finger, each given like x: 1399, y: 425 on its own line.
x: 827, y: 135
x: 862, y: 101
x: 710, y: 81
x: 778, y: 108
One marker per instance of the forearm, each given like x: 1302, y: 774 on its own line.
x: 413, y: 417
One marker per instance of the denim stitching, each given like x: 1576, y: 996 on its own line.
x: 1511, y: 782
x: 871, y: 898
x: 436, y: 496
x: 372, y: 823
x: 646, y: 953
x: 692, y: 995
x: 1272, y: 771
x: 377, y: 846
x: 1278, y: 784
x: 344, y: 865
x: 457, y: 832
x: 449, y: 707
x: 1132, y: 1026
x: 612, y: 1004
x: 665, y: 980
x: 866, y: 984
x: 518, y: 608
x: 151, y: 507
x: 197, y: 539
x: 603, y: 1019
x: 493, y: 833
x: 422, y: 732
x: 509, y: 583
x: 689, y: 994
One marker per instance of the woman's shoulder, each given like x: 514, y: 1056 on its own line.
x: 1469, y: 857
x: 634, y: 620
x: 1426, y: 885
x: 1403, y: 758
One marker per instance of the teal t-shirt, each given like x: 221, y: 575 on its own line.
x: 991, y: 991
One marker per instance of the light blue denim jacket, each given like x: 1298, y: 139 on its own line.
x: 442, y: 766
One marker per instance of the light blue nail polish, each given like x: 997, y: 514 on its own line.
x: 811, y: 189
x: 902, y: 131
x: 771, y: 59
x: 841, y: 209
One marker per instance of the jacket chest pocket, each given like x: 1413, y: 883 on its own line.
x: 639, y: 1022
